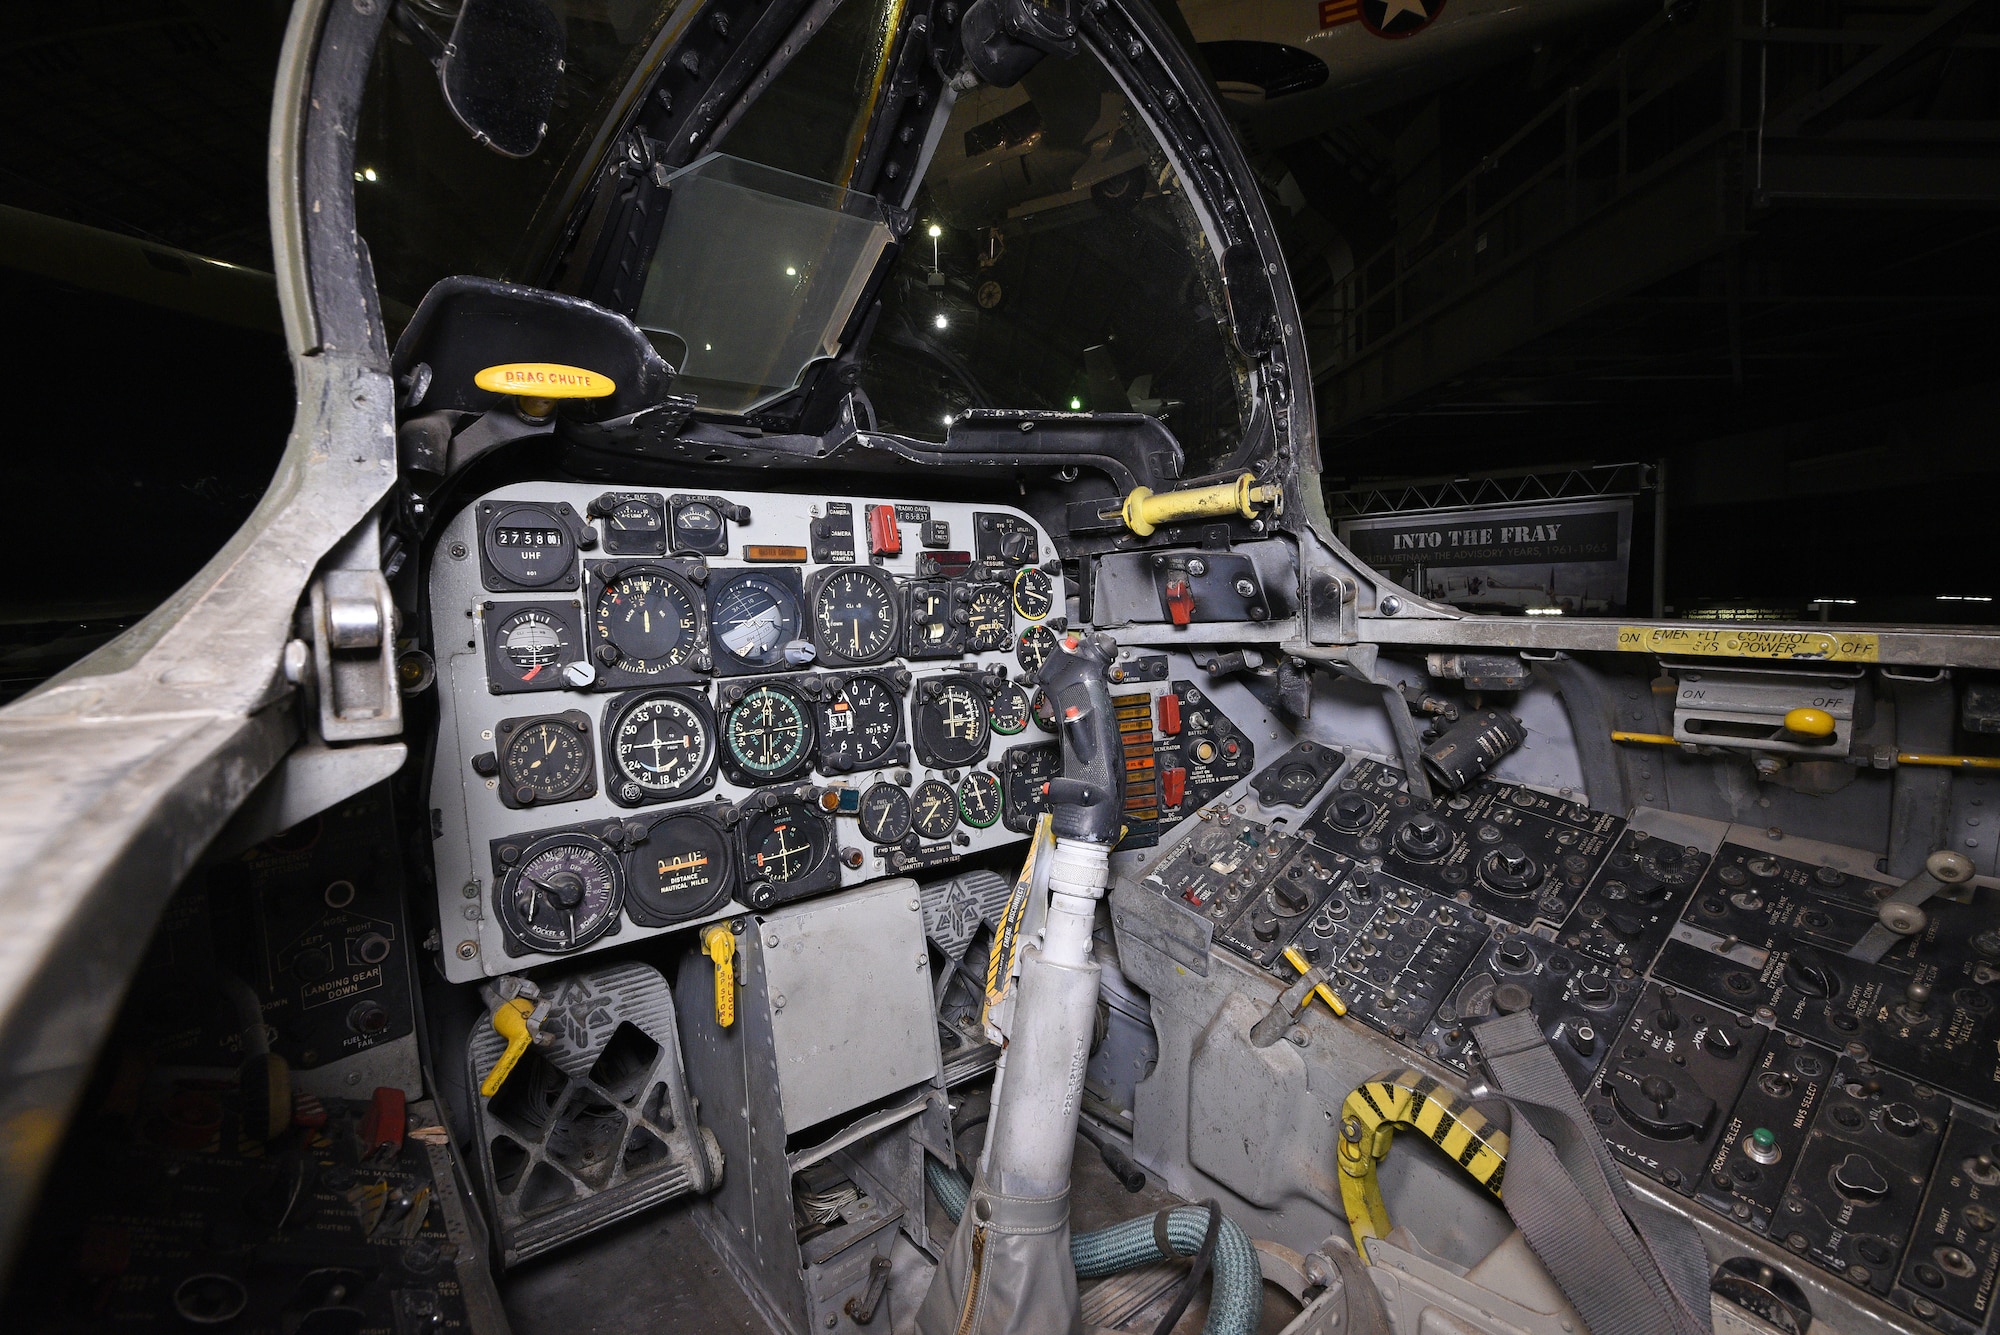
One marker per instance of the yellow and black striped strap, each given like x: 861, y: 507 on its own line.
x: 1407, y: 1098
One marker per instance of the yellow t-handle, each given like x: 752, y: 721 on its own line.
x: 1320, y: 990
x: 719, y: 944
x: 511, y: 1023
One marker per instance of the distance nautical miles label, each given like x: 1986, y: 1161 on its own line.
x: 1738, y: 642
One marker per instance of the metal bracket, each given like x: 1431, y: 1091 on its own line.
x: 354, y: 656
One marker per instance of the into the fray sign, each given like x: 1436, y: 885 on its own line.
x: 1567, y: 556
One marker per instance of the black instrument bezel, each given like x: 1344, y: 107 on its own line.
x: 568, y: 611
x: 615, y: 710
x: 727, y: 664
x: 897, y: 684
x: 507, y: 728
x: 691, y: 576
x: 559, y: 514
x: 646, y: 915
x: 830, y: 655
x: 733, y: 694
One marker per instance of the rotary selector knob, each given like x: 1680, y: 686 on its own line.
x: 1857, y: 1178
x: 1352, y: 812
x: 1510, y: 870
x: 1514, y: 954
x: 1423, y: 836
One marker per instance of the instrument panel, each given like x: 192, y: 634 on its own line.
x: 659, y: 709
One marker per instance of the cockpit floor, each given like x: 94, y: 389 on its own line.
x: 656, y: 1273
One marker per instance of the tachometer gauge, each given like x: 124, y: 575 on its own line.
x: 756, y: 614
x: 767, y: 735
x: 1034, y: 647
x: 855, y: 616
x: 563, y: 894
x: 526, y: 546
x: 528, y: 644
x: 991, y: 617
x: 1034, y: 593
x: 647, y: 621
x: 858, y: 725
x: 949, y: 722
x: 1009, y: 709
x: 681, y: 868
x: 544, y: 759
x: 934, y: 809
x: 885, y: 814
x: 979, y: 799
x: 661, y: 745
x: 785, y: 845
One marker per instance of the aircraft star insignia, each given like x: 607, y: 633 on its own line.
x: 1399, y: 18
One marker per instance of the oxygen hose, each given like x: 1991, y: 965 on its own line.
x: 1237, y: 1304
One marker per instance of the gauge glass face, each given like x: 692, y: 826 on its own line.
x: 885, y: 814
x: 992, y: 617
x: 1034, y: 593
x: 934, y: 809
x: 952, y: 723
x: 857, y: 725
x: 755, y: 616
x: 563, y: 896
x: 854, y: 613
x: 662, y: 747
x: 979, y: 799
x: 787, y: 843
x: 529, y: 546
x: 532, y: 646
x: 768, y: 733
x: 1010, y: 710
x: 1034, y: 647
x: 635, y: 517
x: 1044, y: 710
x: 649, y: 617
x: 930, y: 616
x: 680, y: 870
x: 698, y: 522
x: 545, y: 761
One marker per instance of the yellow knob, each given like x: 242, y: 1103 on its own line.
x: 719, y: 944
x: 511, y: 1023
x: 1813, y: 723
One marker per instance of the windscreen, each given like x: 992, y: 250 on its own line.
x: 1056, y: 263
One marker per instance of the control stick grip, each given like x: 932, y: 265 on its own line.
x: 1088, y: 801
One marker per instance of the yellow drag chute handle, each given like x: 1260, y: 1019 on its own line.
x: 1443, y: 1116
x: 719, y: 944
x: 1145, y: 511
x: 511, y: 1023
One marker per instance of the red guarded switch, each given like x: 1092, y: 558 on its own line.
x: 1173, y: 785
x: 1170, y: 715
x: 382, y: 1125
x: 884, y: 538
x: 1180, y: 600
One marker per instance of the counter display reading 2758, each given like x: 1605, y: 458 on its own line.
x: 529, y: 537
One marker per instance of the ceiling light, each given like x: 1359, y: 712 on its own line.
x: 936, y: 231
x: 947, y: 419
x: 941, y: 322
x: 1076, y: 405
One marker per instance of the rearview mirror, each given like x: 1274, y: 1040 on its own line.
x: 499, y: 72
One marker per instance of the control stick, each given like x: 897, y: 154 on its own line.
x: 1012, y: 1242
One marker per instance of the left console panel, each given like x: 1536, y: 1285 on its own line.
x: 658, y: 709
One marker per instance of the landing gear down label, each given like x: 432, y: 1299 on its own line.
x: 1737, y: 642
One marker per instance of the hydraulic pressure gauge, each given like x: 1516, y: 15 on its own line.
x: 856, y: 618
x: 767, y: 735
x: 885, y: 814
x: 858, y: 724
x: 1034, y: 593
x: 979, y: 799
x: 949, y: 721
x: 934, y: 810
x: 1034, y: 647
x: 562, y: 894
x: 991, y: 617
x: 756, y: 613
x: 529, y: 644
x: 542, y: 760
x: 682, y: 867
x: 659, y: 745
x: 1010, y: 709
x: 645, y: 622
